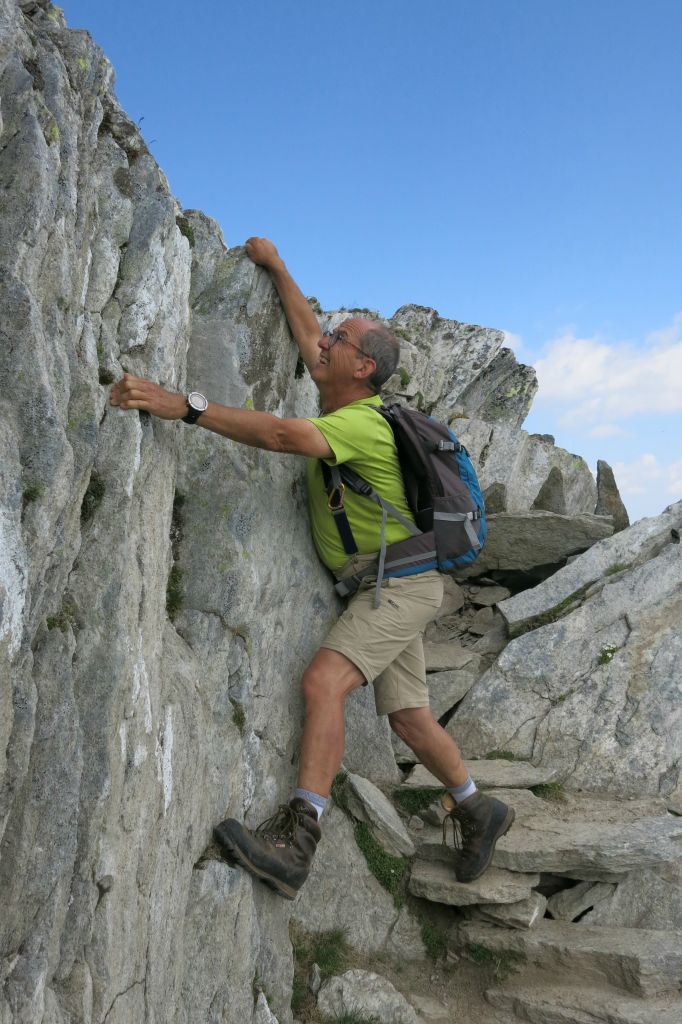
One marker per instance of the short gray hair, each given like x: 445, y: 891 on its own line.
x: 384, y: 348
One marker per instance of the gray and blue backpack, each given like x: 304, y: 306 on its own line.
x: 443, y: 493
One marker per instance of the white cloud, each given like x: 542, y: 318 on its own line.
x: 607, y: 430
x: 675, y: 480
x: 601, y: 382
x: 646, y: 473
x: 514, y: 342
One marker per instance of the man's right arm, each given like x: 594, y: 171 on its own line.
x: 300, y: 317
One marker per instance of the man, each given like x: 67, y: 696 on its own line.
x: 380, y: 645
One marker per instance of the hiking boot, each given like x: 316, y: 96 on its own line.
x: 280, y: 851
x: 477, y: 823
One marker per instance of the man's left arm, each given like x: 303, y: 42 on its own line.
x: 247, y: 426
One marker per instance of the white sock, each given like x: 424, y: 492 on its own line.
x: 318, y: 802
x: 464, y: 791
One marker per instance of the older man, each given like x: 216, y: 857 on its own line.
x: 383, y: 645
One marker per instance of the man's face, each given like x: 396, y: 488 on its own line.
x: 341, y: 353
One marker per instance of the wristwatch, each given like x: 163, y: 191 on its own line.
x: 196, y: 404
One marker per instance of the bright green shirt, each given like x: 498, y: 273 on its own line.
x: 361, y: 437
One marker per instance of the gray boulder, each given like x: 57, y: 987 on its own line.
x: 595, y: 693
x: 341, y: 892
x: 521, y: 541
x: 609, y: 501
x: 643, y: 963
x: 366, y: 995
x: 367, y: 803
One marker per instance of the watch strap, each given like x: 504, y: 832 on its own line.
x: 192, y: 414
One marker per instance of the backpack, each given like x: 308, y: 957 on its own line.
x: 443, y: 493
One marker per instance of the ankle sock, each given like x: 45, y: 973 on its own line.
x: 318, y: 802
x: 464, y: 791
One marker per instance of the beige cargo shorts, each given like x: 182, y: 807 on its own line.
x: 385, y: 643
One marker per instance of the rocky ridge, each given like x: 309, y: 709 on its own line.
x: 149, y: 678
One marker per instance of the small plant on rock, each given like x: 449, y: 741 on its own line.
x: 552, y: 791
x: 390, y: 871
x: 503, y: 963
x: 606, y: 655
x: 413, y: 801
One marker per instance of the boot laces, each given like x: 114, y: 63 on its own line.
x: 281, y: 825
x: 463, y: 829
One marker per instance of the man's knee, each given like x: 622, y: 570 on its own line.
x: 330, y: 676
x: 411, y: 724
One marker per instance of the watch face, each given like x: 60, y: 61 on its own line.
x: 197, y: 401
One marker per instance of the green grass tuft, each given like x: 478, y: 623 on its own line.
x: 186, y: 230
x: 92, y: 498
x: 404, y: 376
x: 299, y: 993
x: 413, y: 801
x: 238, y: 716
x: 552, y: 791
x: 174, y: 592
x: 501, y: 755
x: 329, y: 950
x: 354, y: 1018
x: 617, y: 567
x: 552, y: 614
x: 391, y: 872
x: 338, y: 791
x: 434, y: 939
x: 65, y: 617
x: 31, y: 493
x: 503, y: 963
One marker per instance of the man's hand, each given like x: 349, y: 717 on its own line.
x: 300, y: 317
x: 137, y: 393
x: 264, y: 253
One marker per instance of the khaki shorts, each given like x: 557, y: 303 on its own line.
x: 385, y: 643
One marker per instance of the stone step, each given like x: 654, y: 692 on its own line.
x: 579, y: 1005
x: 640, y: 961
x: 526, y: 913
x: 435, y: 880
x: 487, y: 774
x: 589, y: 851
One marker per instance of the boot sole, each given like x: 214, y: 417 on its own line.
x: 240, y: 858
x: 506, y: 824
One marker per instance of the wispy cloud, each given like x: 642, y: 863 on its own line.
x: 607, y: 430
x: 647, y: 472
x: 514, y: 342
x: 598, y: 383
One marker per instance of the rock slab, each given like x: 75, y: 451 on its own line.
x: 366, y: 995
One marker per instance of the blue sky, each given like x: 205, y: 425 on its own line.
x: 513, y: 164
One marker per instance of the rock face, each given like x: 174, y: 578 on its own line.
x: 609, y: 502
x: 593, y: 690
x: 155, y: 616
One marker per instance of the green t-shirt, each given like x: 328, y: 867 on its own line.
x: 361, y: 437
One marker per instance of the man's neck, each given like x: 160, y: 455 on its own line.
x: 331, y: 400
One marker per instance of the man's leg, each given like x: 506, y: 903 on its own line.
x: 434, y: 747
x: 327, y: 681
x: 280, y: 851
x: 481, y: 819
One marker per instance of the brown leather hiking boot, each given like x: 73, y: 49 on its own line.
x: 280, y: 851
x: 477, y: 823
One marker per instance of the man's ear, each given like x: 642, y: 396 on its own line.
x: 366, y: 370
